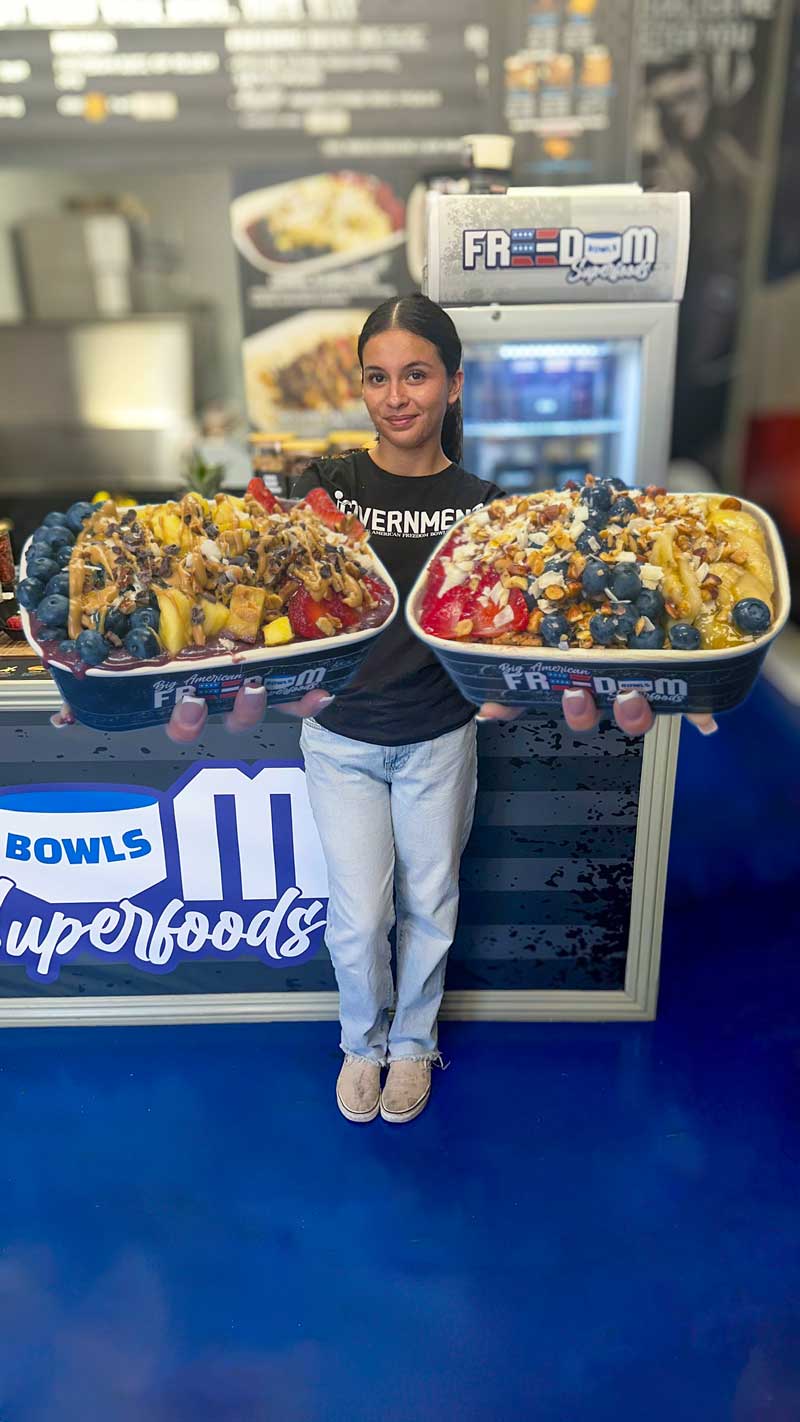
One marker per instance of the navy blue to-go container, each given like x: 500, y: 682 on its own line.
x: 143, y: 696
x: 536, y: 677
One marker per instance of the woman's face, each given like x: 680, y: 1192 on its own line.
x: 406, y: 388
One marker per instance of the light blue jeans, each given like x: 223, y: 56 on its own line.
x: 393, y: 821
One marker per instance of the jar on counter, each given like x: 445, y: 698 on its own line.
x: 268, y: 459
x: 298, y: 454
x: 7, y: 570
x: 342, y: 441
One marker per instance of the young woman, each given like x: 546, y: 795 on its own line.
x: 391, y: 762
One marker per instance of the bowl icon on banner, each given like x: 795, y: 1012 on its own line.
x: 81, y: 846
x: 602, y: 247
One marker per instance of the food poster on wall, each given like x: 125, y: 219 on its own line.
x: 699, y: 125
x: 570, y: 78
x: 316, y: 254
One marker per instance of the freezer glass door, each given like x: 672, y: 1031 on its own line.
x: 538, y: 413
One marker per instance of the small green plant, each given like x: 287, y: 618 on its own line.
x: 201, y: 477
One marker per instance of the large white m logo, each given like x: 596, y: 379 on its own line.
x: 259, y: 805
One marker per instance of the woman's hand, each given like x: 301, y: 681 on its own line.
x: 188, y: 720
x: 190, y: 715
x: 632, y: 713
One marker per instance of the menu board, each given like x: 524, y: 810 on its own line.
x: 342, y: 78
x: 570, y: 89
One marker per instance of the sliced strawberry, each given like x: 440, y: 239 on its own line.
x: 258, y: 490
x: 483, y: 611
x: 333, y: 606
x: 324, y: 507
x: 304, y: 613
x: 377, y: 588
x: 320, y: 501
x: 440, y: 616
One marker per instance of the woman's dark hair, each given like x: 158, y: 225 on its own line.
x: 423, y: 317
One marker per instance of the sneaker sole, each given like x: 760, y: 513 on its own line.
x: 398, y: 1118
x: 358, y: 1117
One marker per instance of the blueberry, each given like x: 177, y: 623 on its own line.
x: 554, y: 627
x: 68, y: 648
x: 589, y: 541
x: 77, y: 515
x: 622, y: 509
x: 53, y: 610
x: 54, y: 518
x: 98, y: 575
x: 603, y: 629
x: 145, y: 617
x: 616, y: 483
x: 117, y: 624
x: 59, y: 583
x: 42, y: 539
x: 30, y: 593
x: 752, y: 615
x: 626, y: 623
x: 142, y: 643
x: 557, y: 564
x: 650, y: 604
x: 684, y: 637
x: 595, y: 578
x: 52, y: 634
x: 647, y: 641
x: 63, y: 555
x: 92, y: 648
x: 42, y: 568
x: 626, y: 583
x: 597, y: 496
x: 61, y: 537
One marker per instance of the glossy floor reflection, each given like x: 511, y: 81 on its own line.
x: 589, y: 1224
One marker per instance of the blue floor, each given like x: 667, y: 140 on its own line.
x: 590, y: 1222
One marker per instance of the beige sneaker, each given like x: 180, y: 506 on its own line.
x: 407, y: 1089
x: 358, y: 1089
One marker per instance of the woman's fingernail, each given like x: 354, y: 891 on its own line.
x: 192, y: 710
x: 709, y: 729
x: 481, y: 720
x: 574, y: 694
x: 253, y: 690
x: 326, y: 701
x: 629, y: 695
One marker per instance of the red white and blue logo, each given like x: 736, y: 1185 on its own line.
x: 629, y: 255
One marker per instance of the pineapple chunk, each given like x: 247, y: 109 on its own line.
x: 175, y: 627
x: 215, y: 617
x: 225, y: 516
x: 247, y: 609
x: 278, y: 632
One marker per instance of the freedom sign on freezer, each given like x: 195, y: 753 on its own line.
x: 226, y: 862
x: 532, y: 245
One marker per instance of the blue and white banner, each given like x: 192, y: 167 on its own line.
x: 227, y: 862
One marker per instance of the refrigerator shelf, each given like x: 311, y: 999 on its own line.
x: 522, y: 429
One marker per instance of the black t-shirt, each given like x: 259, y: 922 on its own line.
x: 401, y: 694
